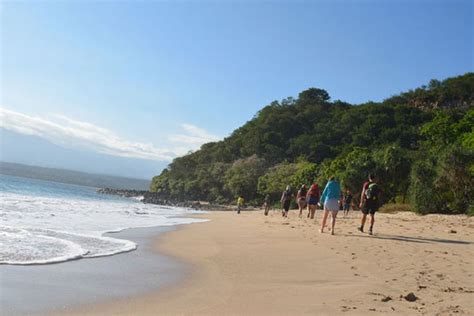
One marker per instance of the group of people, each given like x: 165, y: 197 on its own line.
x: 332, y: 200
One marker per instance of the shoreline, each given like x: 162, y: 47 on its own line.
x: 252, y: 264
x: 49, y: 288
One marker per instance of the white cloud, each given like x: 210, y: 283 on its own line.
x: 195, y: 136
x: 71, y: 133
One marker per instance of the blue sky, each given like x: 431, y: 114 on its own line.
x: 159, y: 78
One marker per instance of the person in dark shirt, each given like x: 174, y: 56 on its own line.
x: 347, y: 202
x: 369, y: 202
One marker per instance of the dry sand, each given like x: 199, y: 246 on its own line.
x: 249, y: 264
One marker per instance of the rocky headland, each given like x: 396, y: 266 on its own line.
x: 159, y: 199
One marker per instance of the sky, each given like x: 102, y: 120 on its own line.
x: 152, y: 80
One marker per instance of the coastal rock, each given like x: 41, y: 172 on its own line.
x: 158, y: 198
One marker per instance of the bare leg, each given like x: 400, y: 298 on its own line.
x: 362, y: 222
x: 372, y: 221
x: 323, y: 222
x: 333, y: 221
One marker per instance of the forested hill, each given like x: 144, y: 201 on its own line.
x: 420, y: 144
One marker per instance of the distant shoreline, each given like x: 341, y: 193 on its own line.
x: 72, y: 177
x: 160, y: 199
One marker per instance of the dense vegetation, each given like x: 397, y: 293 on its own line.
x: 419, y: 143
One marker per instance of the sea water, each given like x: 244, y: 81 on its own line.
x: 47, y: 222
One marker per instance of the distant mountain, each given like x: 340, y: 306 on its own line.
x: 72, y: 177
x: 36, y: 151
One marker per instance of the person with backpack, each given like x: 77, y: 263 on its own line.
x: 369, y: 202
x: 301, y: 198
x: 285, y: 200
x: 312, y: 197
x: 330, y: 200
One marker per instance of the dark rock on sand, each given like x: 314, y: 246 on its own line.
x: 410, y: 297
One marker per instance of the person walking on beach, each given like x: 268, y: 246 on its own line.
x: 330, y: 200
x: 240, y: 203
x: 369, y: 202
x: 286, y: 200
x: 266, y: 204
x: 347, y: 201
x: 301, y: 198
x: 313, y: 198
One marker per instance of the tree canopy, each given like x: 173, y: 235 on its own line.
x: 419, y: 143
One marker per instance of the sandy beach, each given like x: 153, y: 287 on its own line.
x: 252, y: 264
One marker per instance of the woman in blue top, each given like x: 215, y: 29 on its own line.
x: 330, y: 200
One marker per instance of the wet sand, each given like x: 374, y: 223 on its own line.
x: 252, y: 264
x: 61, y: 286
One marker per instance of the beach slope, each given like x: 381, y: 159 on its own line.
x: 253, y: 264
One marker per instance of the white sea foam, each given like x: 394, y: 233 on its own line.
x: 40, y: 229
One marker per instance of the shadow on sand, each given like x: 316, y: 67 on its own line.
x: 411, y: 239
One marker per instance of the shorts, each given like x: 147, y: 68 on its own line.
x: 347, y: 207
x: 370, y: 208
x: 331, y: 205
x: 312, y: 200
x: 286, y: 205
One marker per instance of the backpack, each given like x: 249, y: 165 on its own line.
x: 372, y: 192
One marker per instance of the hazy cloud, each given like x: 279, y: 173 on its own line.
x: 194, y: 136
x: 72, y: 133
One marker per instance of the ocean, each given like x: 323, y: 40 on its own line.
x: 45, y: 222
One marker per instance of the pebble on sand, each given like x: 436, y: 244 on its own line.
x: 410, y: 297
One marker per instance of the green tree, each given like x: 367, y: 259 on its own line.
x: 274, y: 181
x: 242, y: 177
x: 424, y: 197
x: 393, y: 167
